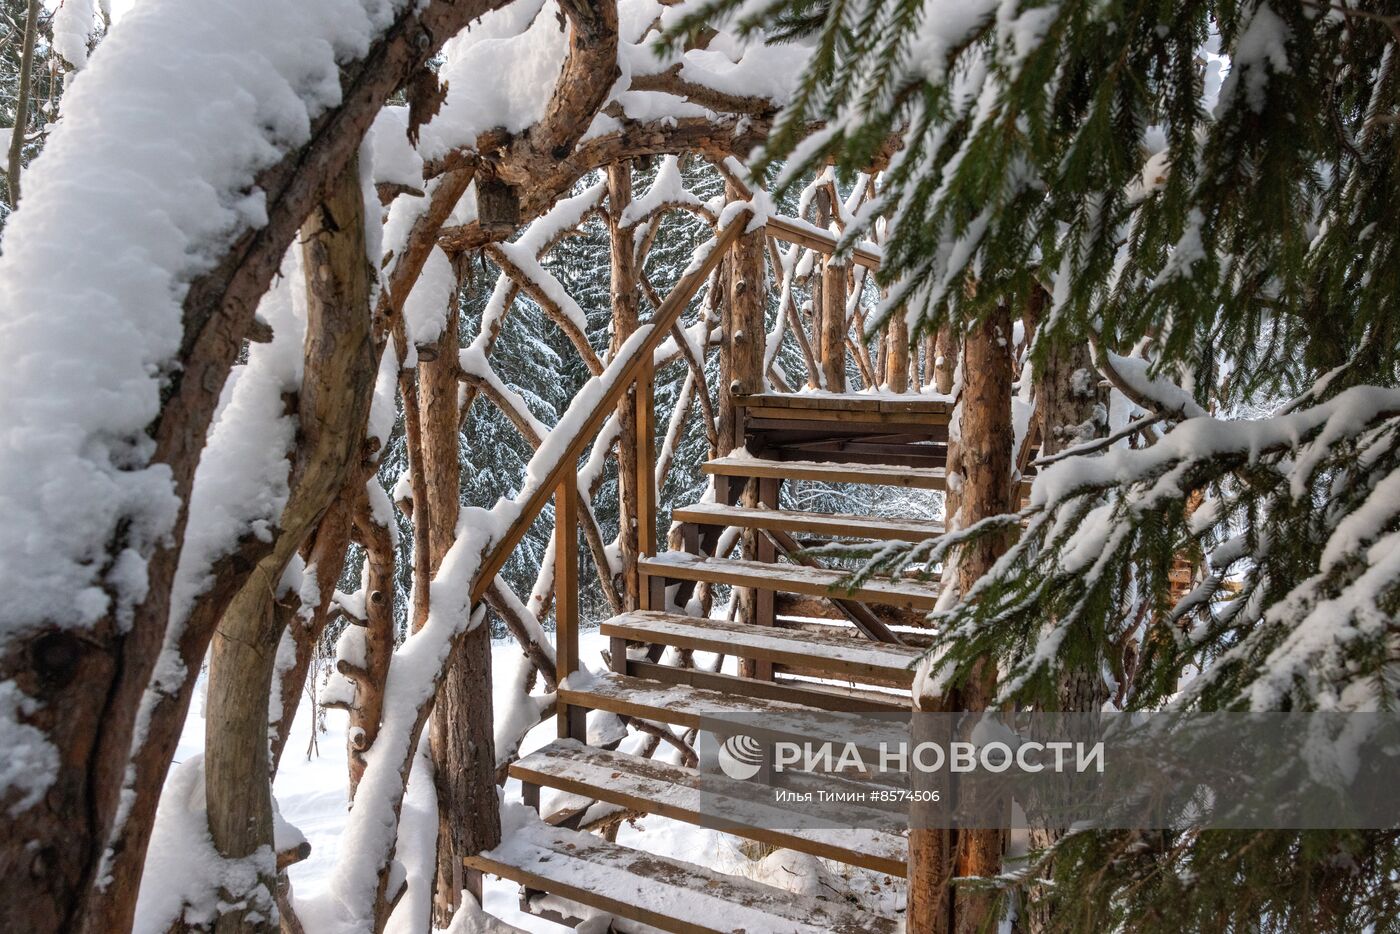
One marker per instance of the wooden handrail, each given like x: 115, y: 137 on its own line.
x: 812, y: 237
x: 619, y: 374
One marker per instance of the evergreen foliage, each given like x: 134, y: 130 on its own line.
x: 1239, y: 237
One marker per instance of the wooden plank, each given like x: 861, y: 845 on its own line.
x: 812, y: 523
x: 820, y: 608
x: 619, y: 375
x: 871, y: 474
x: 846, y: 402
x: 744, y: 809
x: 816, y: 582
x: 823, y: 696
x: 690, y: 707
x: 664, y: 893
x: 831, y: 654
x: 887, y: 420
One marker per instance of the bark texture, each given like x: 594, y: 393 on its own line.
x: 983, y: 460
x: 461, y: 727
x: 625, y: 296
x: 741, y: 368
x: 332, y: 412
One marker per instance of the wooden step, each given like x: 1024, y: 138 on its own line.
x: 744, y: 809
x: 842, y: 404
x: 692, y: 707
x: 852, y: 656
x: 809, y: 523
x: 789, y: 578
x: 920, y: 478
x: 664, y: 893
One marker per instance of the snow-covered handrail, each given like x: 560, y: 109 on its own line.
x: 616, y: 379
x: 802, y: 233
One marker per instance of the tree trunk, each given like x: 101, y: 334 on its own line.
x: 987, y: 453
x: 625, y: 295
x: 1068, y: 412
x: 984, y: 461
x: 332, y: 412
x: 461, y: 726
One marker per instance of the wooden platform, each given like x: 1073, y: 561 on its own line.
x: 835, y: 654
x: 789, y: 578
x: 665, y: 893
x: 745, y: 809
x: 920, y: 478
x: 809, y: 523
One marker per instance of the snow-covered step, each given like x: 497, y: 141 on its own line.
x: 744, y: 809
x: 809, y: 523
x: 789, y: 578
x: 665, y: 893
x: 744, y: 465
x: 691, y: 707
x: 839, y: 654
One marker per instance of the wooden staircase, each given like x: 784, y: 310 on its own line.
x: 815, y: 655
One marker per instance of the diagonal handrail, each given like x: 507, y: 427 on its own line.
x: 619, y: 375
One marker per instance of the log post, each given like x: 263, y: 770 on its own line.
x: 644, y: 398
x: 367, y: 710
x: 897, y: 352
x: 332, y: 412
x: 741, y: 368
x: 624, y: 293
x: 829, y: 307
x: 943, y: 361
x: 461, y: 730
x: 572, y: 722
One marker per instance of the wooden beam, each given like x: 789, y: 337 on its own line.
x: 791, y: 230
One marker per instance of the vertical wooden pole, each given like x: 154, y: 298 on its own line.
x: 833, y: 326
x: 572, y: 724
x: 897, y: 352
x: 625, y: 297
x: 764, y: 609
x: 741, y: 366
x: 644, y: 398
x: 945, y: 359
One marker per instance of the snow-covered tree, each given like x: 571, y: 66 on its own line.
x: 1204, y: 194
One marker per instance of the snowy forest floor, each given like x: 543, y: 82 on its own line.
x: 310, y: 792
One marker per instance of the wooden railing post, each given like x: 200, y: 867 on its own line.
x: 572, y: 723
x: 644, y: 398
